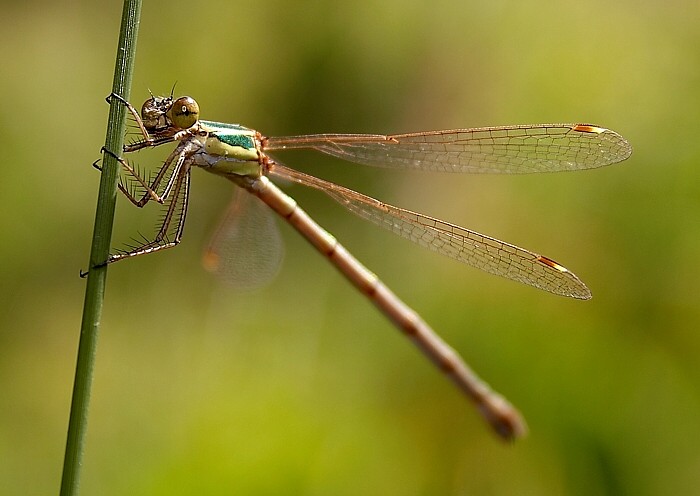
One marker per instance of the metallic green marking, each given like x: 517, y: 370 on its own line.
x: 236, y: 140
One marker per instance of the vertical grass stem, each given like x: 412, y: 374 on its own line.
x: 102, y: 234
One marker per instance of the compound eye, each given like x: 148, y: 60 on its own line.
x: 184, y: 112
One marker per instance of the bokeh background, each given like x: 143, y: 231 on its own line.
x: 302, y: 387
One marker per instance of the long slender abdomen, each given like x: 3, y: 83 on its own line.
x: 502, y: 416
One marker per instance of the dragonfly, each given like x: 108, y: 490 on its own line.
x: 242, y: 155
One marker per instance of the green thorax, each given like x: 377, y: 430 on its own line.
x: 229, y: 149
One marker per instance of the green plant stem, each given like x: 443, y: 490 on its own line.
x: 102, y: 235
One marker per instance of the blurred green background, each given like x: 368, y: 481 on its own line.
x: 302, y: 387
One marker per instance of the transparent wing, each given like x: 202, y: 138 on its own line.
x: 246, y: 251
x: 483, y: 252
x: 505, y: 149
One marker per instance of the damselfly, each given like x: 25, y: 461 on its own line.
x: 241, y: 155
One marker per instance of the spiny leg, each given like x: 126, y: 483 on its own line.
x: 149, y: 190
x: 178, y: 186
x: 147, y: 138
x: 166, y: 237
x: 180, y: 153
